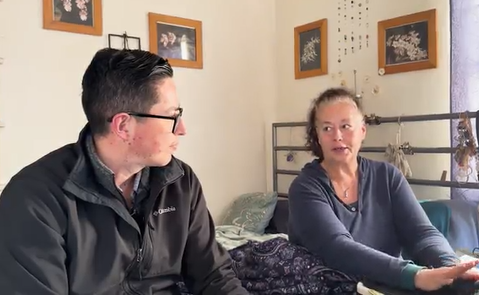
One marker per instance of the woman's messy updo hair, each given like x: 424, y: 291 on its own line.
x: 330, y: 95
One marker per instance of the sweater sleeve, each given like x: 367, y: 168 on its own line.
x: 420, y: 238
x: 319, y: 230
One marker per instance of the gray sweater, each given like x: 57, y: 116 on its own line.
x: 366, y: 239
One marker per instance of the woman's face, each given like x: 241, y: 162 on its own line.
x: 341, y: 129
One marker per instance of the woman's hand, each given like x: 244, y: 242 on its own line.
x: 472, y: 274
x: 434, y: 279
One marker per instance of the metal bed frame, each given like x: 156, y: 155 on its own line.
x: 376, y: 120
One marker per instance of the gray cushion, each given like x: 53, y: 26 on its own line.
x: 252, y: 211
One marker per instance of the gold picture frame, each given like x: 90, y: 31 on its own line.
x: 177, y: 39
x: 72, y: 17
x: 311, y: 49
x: 418, y: 31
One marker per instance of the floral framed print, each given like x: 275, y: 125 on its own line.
x: 74, y: 16
x: 311, y: 49
x: 177, y: 39
x: 407, y: 43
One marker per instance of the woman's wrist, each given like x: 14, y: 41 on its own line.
x: 409, y: 275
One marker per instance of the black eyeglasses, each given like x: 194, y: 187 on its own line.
x: 176, y: 118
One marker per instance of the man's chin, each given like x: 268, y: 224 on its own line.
x: 161, y: 160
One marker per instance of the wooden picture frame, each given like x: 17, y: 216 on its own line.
x: 419, y: 30
x: 180, y: 40
x: 82, y: 18
x: 311, y: 49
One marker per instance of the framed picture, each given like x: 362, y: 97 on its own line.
x: 124, y: 41
x: 407, y: 43
x: 177, y: 39
x: 80, y: 16
x: 311, y: 49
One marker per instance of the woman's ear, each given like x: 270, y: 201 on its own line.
x: 364, y: 130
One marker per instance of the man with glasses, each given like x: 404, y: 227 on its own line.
x: 115, y: 212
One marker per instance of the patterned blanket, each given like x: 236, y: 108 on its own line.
x: 277, y: 266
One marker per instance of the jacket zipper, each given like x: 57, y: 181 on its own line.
x: 139, y: 252
x: 126, y: 283
x: 143, y: 251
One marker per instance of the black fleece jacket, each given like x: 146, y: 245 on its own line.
x: 63, y: 232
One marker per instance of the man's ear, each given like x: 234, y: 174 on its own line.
x: 121, y: 124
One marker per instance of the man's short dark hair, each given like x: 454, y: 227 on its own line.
x: 121, y: 81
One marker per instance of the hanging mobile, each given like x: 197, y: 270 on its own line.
x: 352, y: 41
x: 339, y: 31
x: 290, y: 154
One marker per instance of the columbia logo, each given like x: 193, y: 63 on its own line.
x: 164, y: 210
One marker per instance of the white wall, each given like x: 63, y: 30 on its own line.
x: 422, y: 92
x: 227, y: 104
x: 246, y: 84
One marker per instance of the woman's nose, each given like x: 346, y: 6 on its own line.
x: 337, y: 135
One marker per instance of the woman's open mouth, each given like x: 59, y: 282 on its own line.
x: 340, y: 149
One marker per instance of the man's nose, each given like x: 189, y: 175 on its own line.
x: 180, y: 128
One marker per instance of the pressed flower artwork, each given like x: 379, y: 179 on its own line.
x: 74, y: 16
x: 310, y: 49
x: 177, y: 39
x: 407, y: 43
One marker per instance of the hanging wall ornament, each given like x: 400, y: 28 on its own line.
x: 352, y: 42
x: 358, y: 94
x: 352, y: 26
x: 466, y: 148
x: 345, y: 15
x: 339, y: 31
x: 367, y: 22
x: 360, y: 21
x: 360, y: 18
x: 290, y: 154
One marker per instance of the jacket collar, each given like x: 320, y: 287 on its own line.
x: 105, y: 176
x: 84, y: 182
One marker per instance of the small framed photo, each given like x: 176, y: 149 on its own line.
x: 407, y: 43
x: 177, y: 39
x: 124, y: 41
x: 80, y: 16
x: 311, y: 49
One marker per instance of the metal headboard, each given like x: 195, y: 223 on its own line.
x: 376, y: 120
